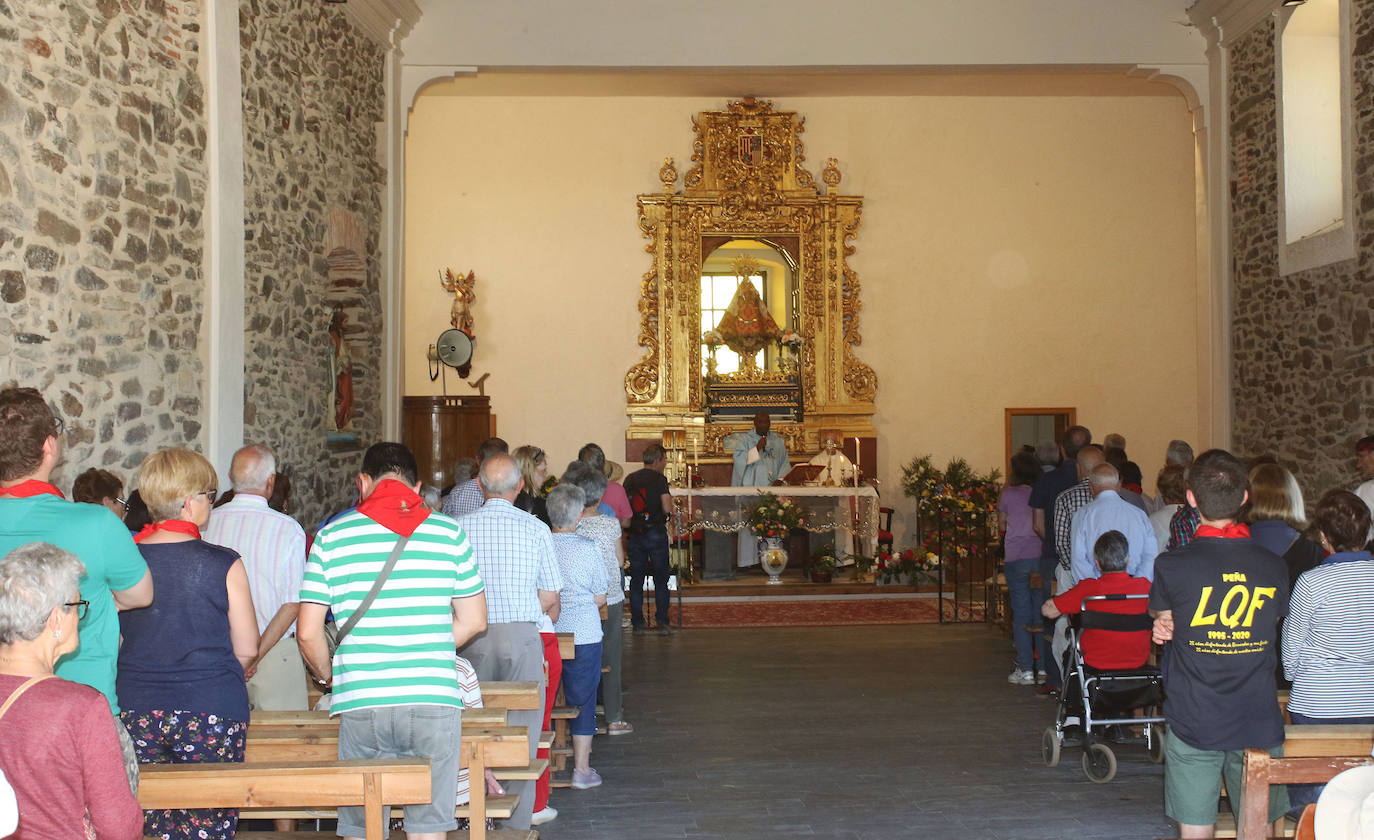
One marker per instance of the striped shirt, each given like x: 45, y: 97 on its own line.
x: 471, y: 691
x: 605, y: 532
x: 272, y: 546
x: 1328, y: 638
x: 584, y: 577
x: 515, y: 553
x: 401, y: 651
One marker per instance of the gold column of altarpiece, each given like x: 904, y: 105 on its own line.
x: 747, y: 181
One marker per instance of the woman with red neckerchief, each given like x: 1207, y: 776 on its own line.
x: 181, y: 669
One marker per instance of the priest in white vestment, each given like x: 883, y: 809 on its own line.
x: 838, y: 469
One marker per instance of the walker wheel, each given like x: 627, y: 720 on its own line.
x: 1049, y: 747
x: 1157, y: 744
x: 1099, y: 763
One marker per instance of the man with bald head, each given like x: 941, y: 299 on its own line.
x: 1109, y: 512
x: 515, y: 554
x: 272, y: 546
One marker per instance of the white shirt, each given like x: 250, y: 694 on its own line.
x: 1159, y: 520
x: 272, y: 546
x: 1366, y: 492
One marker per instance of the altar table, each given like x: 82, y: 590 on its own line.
x: 849, y: 512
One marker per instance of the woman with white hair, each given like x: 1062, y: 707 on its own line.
x: 579, y: 602
x: 181, y: 674
x: 605, y: 532
x: 57, y: 740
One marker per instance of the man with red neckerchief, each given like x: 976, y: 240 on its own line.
x: 396, y: 688
x: 33, y: 510
x: 1217, y: 603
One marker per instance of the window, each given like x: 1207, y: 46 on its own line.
x: 1316, y: 211
x: 717, y: 290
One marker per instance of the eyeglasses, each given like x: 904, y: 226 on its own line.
x: 82, y: 607
x: 209, y: 494
x: 59, y: 426
x: 124, y: 503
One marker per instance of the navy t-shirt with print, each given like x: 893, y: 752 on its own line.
x: 1227, y: 597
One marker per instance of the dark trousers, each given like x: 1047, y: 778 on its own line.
x: 648, y: 554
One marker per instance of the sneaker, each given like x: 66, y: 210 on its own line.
x: 619, y: 727
x: 546, y: 815
x: 1040, y: 678
x: 589, y: 779
x: 1021, y: 678
x: 1048, y: 690
x: 665, y: 629
x: 640, y: 630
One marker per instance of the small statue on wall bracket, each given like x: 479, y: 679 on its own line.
x: 463, y: 298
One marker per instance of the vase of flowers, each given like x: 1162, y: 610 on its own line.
x: 770, y: 518
x: 712, y: 339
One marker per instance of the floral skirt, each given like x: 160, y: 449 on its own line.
x: 179, y: 737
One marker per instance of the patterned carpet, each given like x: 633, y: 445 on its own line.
x: 776, y: 612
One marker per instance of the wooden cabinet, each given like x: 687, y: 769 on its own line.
x: 440, y: 430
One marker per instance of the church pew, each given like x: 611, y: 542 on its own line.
x: 499, y: 834
x: 482, y: 747
x: 301, y: 785
x: 1311, y: 755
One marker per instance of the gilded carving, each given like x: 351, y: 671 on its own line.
x: 747, y: 180
x: 793, y: 436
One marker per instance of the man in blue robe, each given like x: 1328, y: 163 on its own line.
x: 760, y: 455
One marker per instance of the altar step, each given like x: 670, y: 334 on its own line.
x: 751, y: 586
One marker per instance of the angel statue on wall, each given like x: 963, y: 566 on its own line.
x: 463, y: 298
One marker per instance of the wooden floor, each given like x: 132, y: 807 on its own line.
x: 849, y: 732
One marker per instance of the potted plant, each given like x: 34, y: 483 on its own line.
x: 863, y: 565
x: 822, y: 565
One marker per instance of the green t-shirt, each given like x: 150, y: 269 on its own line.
x: 99, y: 540
x: 401, y: 651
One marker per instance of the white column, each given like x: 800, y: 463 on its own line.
x: 222, y: 348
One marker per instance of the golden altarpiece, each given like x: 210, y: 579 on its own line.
x: 748, y: 200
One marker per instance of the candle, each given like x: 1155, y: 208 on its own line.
x: 696, y: 456
x: 856, y: 462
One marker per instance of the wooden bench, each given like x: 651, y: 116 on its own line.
x: 482, y: 747
x: 1311, y: 755
x: 331, y: 783
x: 500, y: 834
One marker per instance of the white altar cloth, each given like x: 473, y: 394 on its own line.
x: 850, y: 512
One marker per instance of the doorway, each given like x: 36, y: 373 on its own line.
x: 1029, y: 426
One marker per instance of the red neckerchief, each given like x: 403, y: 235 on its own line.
x: 176, y: 526
x: 395, y: 507
x: 32, y: 487
x: 1234, y: 531
x: 1134, y: 488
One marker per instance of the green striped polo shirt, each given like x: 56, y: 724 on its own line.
x: 401, y: 651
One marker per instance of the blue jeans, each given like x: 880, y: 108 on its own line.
x: 648, y: 554
x: 581, y: 674
x: 1025, y: 609
x: 1300, y: 796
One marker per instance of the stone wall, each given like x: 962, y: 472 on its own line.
x: 312, y: 96
x: 1303, y: 346
x: 102, y: 184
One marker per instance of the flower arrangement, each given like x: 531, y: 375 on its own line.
x: 770, y: 516
x: 958, y: 494
x: 712, y: 339
x: 790, y: 339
